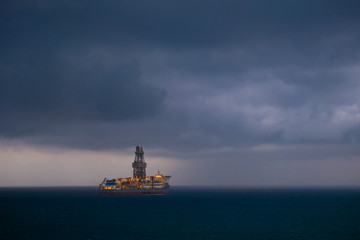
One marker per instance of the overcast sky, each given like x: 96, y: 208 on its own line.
x: 217, y: 92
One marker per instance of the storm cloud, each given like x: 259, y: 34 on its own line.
x: 191, y: 79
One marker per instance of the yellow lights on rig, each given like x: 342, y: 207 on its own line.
x: 146, y: 182
x: 159, y: 175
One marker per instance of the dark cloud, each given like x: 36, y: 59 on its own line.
x: 182, y: 75
x: 177, y: 23
x: 50, y: 90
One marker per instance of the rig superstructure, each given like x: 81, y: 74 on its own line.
x: 139, y: 183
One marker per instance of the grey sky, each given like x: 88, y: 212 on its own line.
x: 264, y: 91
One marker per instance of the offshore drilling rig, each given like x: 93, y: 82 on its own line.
x: 139, y: 163
x: 139, y: 183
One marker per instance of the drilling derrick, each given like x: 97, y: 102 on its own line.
x: 139, y: 163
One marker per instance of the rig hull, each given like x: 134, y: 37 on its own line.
x: 139, y: 191
x: 110, y: 193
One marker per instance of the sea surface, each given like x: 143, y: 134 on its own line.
x: 185, y: 213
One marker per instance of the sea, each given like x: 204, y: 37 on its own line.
x: 185, y: 213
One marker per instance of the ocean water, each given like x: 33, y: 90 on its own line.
x: 185, y: 213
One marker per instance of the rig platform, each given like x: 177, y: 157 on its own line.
x: 139, y: 184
